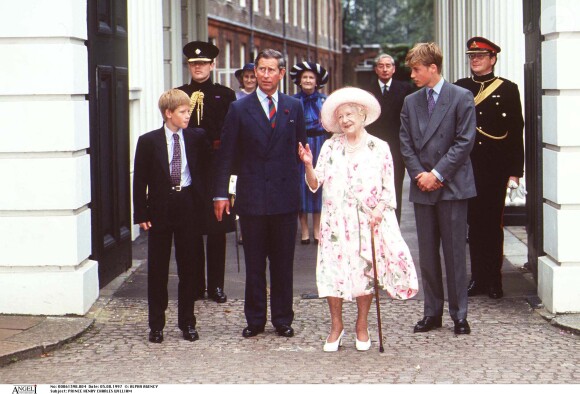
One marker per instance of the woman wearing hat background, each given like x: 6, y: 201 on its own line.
x: 310, y: 77
x: 247, y: 79
x: 356, y: 170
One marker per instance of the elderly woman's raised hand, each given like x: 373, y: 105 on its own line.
x: 305, y: 154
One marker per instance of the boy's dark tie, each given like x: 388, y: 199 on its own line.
x: 176, y: 162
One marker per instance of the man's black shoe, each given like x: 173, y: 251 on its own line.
x: 495, y: 292
x: 190, y: 334
x: 250, y: 331
x: 461, y: 327
x: 155, y: 336
x: 475, y: 288
x: 427, y: 324
x: 219, y: 296
x: 285, y: 331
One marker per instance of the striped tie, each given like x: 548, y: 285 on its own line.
x: 271, y: 112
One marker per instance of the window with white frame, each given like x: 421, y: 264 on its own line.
x: 303, y: 14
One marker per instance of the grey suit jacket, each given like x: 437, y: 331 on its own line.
x: 442, y: 142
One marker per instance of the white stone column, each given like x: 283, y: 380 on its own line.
x: 45, y: 221
x: 559, y: 270
x: 145, y: 29
x: 500, y: 21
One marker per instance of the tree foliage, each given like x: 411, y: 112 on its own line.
x: 387, y: 21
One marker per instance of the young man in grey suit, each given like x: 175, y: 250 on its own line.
x: 437, y: 135
x: 261, y: 134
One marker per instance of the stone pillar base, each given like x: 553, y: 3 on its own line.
x: 558, y: 285
x: 49, y: 291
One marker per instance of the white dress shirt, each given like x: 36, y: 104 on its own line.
x: 185, y: 175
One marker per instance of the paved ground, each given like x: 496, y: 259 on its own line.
x: 510, y: 341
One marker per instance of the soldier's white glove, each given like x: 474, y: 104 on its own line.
x: 516, y: 191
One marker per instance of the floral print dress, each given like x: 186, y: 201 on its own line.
x: 354, y: 184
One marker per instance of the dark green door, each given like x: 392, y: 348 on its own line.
x: 109, y: 137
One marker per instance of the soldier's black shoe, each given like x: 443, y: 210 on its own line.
x: 219, y: 296
x: 156, y: 336
x: 495, y: 292
x: 475, y: 288
x: 199, y: 296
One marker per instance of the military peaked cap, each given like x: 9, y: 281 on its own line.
x: 480, y: 44
x: 200, y: 51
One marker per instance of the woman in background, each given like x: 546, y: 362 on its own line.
x: 310, y: 77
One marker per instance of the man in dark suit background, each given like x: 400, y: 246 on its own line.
x: 390, y: 93
x: 261, y: 132
x: 167, y: 196
x: 437, y: 136
x: 209, y: 103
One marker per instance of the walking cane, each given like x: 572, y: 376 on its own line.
x: 381, y: 348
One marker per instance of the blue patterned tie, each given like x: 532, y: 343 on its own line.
x: 176, y: 162
x: 430, y: 102
x: 271, y: 112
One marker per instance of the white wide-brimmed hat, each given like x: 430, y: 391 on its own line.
x: 348, y: 95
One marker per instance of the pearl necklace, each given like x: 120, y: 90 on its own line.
x: 353, y: 148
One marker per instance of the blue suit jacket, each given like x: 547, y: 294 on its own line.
x: 442, y: 142
x: 266, y: 160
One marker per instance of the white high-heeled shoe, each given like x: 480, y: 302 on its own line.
x: 333, y: 346
x: 363, y: 346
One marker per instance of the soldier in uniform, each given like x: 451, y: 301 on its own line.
x: 209, y: 103
x: 497, y: 158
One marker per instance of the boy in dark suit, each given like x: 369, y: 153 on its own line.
x: 167, y: 199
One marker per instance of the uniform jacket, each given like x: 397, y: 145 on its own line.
x: 268, y: 177
x: 442, y: 142
x: 498, y: 114
x: 216, y: 102
x: 152, y: 181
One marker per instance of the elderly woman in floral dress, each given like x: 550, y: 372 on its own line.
x: 358, y: 197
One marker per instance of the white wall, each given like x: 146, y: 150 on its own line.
x: 45, y: 225
x: 559, y: 270
x: 145, y: 24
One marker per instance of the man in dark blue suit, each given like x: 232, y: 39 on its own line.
x: 261, y: 135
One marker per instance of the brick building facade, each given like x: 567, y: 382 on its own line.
x: 301, y: 29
